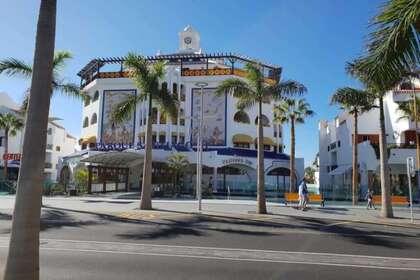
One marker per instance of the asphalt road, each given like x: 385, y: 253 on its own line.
x: 170, y: 245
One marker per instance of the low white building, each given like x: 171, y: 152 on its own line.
x: 335, y: 147
x: 59, y: 143
x: 229, y: 135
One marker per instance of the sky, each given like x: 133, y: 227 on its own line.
x: 310, y: 39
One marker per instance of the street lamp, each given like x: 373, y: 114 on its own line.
x: 201, y: 85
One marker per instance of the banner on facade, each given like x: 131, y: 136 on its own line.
x: 111, y: 131
x: 214, y: 123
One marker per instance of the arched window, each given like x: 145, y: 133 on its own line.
x: 175, y: 88
x: 241, y: 117
x: 264, y: 119
x: 87, y: 101
x: 182, y: 93
x: 165, y: 86
x: 154, y: 115
x: 95, y: 96
x: 86, y: 122
x: 94, y: 119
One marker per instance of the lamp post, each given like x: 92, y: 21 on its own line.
x: 201, y: 85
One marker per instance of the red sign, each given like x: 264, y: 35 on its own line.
x: 11, y: 156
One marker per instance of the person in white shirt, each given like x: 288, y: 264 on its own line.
x: 303, y: 195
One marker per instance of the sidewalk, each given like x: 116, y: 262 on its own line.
x: 230, y: 208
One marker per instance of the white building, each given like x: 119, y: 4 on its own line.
x: 59, y: 143
x: 229, y: 135
x: 335, y: 147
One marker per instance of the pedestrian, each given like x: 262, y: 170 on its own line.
x: 369, y: 198
x: 303, y: 195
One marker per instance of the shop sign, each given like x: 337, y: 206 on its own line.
x: 237, y: 161
x: 11, y: 156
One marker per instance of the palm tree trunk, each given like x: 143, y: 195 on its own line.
x: 6, y: 150
x: 416, y: 123
x: 386, y: 209
x: 355, y: 180
x: 146, y: 190
x: 261, y: 207
x: 292, y: 156
x: 23, y: 257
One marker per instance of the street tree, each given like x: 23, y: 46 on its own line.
x: 355, y: 102
x: 252, y: 91
x: 178, y: 163
x: 293, y: 111
x: 23, y: 256
x: 146, y: 76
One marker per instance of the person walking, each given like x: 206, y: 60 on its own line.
x: 369, y: 198
x: 303, y: 195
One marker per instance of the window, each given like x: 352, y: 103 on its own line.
x: 1, y: 141
x: 49, y: 131
x: 162, y: 139
x: 339, y: 143
x: 154, y: 115
x: 84, y: 146
x: 162, y: 118
x: 182, y: 93
x: 181, y: 139
x: 175, y: 88
x: 49, y: 146
x: 95, y: 96
x: 267, y: 148
x: 174, y: 139
x: 86, y: 122
x: 153, y: 139
x: 58, y: 148
x: 181, y: 122
x: 165, y: 86
x: 87, y: 101
x: 94, y: 119
x: 264, y: 119
x: 241, y: 117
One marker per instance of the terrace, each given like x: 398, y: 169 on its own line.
x: 215, y: 64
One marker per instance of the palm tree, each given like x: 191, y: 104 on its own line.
x: 393, y: 47
x: 378, y: 90
x: 146, y: 76
x: 293, y: 111
x: 355, y: 101
x: 10, y: 124
x: 16, y: 67
x: 178, y: 163
x: 23, y: 256
x: 255, y: 91
x: 393, y: 50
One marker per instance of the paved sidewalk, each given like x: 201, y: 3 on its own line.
x: 230, y: 208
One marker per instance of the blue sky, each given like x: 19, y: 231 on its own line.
x: 310, y: 39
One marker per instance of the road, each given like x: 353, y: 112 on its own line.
x: 80, y: 244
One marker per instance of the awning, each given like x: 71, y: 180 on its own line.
x: 87, y: 140
x: 241, y: 138
x: 266, y: 141
x: 114, y: 159
x: 340, y: 170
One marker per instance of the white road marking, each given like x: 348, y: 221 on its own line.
x: 249, y: 255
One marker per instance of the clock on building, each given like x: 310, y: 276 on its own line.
x: 187, y: 40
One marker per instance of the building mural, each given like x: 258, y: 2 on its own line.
x: 214, y: 123
x: 116, y: 132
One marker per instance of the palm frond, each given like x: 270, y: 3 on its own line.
x: 287, y: 88
x: 70, y: 90
x: 235, y: 87
x: 352, y: 99
x: 167, y: 102
x: 10, y: 122
x: 60, y: 58
x: 12, y: 67
x: 124, y: 110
